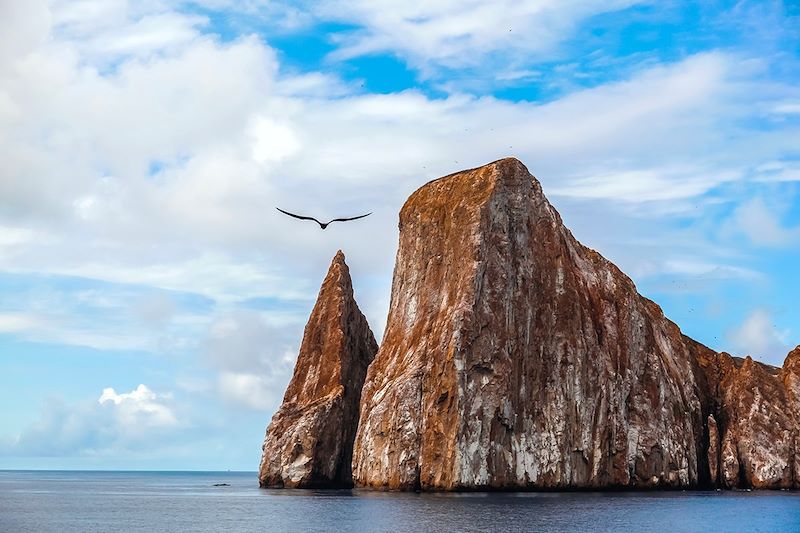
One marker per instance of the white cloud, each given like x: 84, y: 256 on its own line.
x: 778, y: 171
x: 103, y: 317
x: 25, y: 27
x: 759, y: 337
x: 457, y: 33
x: 647, y: 185
x: 139, y: 409
x: 694, y: 268
x: 218, y: 277
x: 254, y: 14
x: 105, y: 30
x: 135, y: 422
x: 272, y: 141
x: 138, y: 151
x: 38, y: 327
x: 164, y: 171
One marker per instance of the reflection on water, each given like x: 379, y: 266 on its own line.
x: 189, y: 501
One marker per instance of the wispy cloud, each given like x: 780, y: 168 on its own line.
x: 458, y: 33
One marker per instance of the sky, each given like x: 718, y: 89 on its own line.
x: 152, y: 301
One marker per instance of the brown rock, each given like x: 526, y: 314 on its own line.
x: 791, y: 381
x: 309, y: 442
x: 713, y: 450
x: 756, y: 411
x: 515, y: 357
x: 761, y: 425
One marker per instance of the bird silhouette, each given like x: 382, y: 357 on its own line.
x: 322, y: 225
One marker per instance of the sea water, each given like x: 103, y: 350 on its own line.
x: 41, y: 501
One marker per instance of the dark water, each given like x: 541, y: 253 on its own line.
x: 188, y: 501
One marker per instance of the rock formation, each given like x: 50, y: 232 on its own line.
x: 309, y: 442
x: 515, y: 357
x: 756, y: 407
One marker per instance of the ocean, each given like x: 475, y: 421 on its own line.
x: 66, y: 501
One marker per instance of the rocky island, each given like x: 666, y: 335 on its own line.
x: 515, y: 358
x: 310, y: 439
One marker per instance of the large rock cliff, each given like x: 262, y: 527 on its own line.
x: 309, y: 442
x: 515, y: 357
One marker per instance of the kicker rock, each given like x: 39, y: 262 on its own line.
x: 309, y: 442
x: 515, y: 357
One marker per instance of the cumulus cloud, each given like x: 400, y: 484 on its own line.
x: 135, y: 420
x: 119, y: 160
x: 759, y: 337
x: 139, y: 409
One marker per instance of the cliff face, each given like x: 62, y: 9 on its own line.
x: 756, y: 407
x: 309, y: 442
x: 790, y: 375
x: 516, y: 357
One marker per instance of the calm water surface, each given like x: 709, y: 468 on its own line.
x: 189, y: 501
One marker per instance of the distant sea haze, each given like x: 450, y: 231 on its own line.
x: 72, y: 501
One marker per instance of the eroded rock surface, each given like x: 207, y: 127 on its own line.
x: 309, y: 442
x: 757, y: 408
x: 515, y: 357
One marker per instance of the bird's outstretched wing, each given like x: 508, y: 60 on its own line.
x: 301, y: 217
x: 350, y: 218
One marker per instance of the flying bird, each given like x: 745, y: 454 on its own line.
x: 322, y: 225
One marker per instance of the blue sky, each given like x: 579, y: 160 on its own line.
x: 152, y: 301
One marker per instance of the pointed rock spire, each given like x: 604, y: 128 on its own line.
x: 309, y: 442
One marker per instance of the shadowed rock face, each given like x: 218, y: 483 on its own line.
x: 516, y: 357
x: 309, y: 442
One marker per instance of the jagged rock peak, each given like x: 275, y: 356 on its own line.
x: 309, y: 442
x: 515, y: 357
x: 792, y: 361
